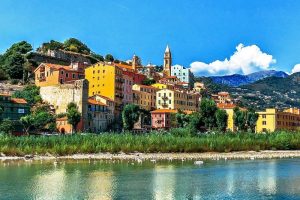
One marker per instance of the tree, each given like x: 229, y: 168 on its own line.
x: 52, y: 45
x: 73, y: 115
x: 6, y: 126
x: 27, y: 122
x: 109, y: 58
x: 148, y: 81
x: 13, y: 60
x: 98, y: 57
x: 76, y: 45
x: 30, y: 93
x: 239, y: 119
x: 182, y: 119
x: 252, y: 118
x: 42, y: 119
x: 14, y: 65
x: 130, y: 115
x: 195, y: 122
x: 208, y: 109
x: 221, y: 120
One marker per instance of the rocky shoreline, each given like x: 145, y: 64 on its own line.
x: 153, y: 157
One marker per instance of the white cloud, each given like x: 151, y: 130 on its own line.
x: 296, y: 68
x: 245, y: 60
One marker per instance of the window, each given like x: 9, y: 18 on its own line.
x: 264, y: 123
x: 263, y: 116
x: 62, y: 72
x: 93, y: 71
x: 67, y: 75
x: 73, y: 76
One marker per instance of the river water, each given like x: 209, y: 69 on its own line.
x: 231, y: 179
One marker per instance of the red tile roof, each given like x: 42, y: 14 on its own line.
x: 94, y: 102
x: 104, y: 97
x: 146, y: 86
x: 19, y: 101
x: 57, y: 67
x: 226, y: 105
x: 164, y: 111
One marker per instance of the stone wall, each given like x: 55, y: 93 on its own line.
x: 59, y: 96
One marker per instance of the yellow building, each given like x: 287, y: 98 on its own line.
x: 272, y: 119
x: 106, y: 79
x: 144, y: 96
x: 229, y: 108
x: 175, y: 99
x: 162, y: 86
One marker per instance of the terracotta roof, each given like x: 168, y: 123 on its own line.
x: 169, y: 77
x: 94, y: 102
x: 124, y: 66
x: 164, y: 111
x: 146, y: 86
x: 226, y: 105
x: 104, y: 97
x: 57, y: 67
x: 19, y: 101
x: 223, y: 93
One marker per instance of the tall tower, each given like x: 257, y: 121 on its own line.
x: 167, y: 61
x: 134, y: 62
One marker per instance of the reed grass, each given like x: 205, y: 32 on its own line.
x: 148, y: 143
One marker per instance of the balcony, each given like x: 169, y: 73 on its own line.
x: 164, y: 105
x: 165, y: 98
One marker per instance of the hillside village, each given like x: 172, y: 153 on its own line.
x: 100, y: 89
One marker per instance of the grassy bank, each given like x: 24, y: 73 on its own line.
x: 150, y: 143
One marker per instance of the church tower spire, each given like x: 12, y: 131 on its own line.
x: 167, y: 61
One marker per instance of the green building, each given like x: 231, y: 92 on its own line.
x: 13, y: 109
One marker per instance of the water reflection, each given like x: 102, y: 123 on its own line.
x: 213, y: 180
x: 164, y: 182
x: 49, y: 185
x: 100, y: 185
x: 267, y: 178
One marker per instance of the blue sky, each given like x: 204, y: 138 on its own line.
x: 197, y: 31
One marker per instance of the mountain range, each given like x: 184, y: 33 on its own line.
x: 269, y: 92
x: 236, y: 80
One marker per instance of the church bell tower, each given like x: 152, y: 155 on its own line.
x: 167, y: 61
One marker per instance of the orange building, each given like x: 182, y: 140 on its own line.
x: 52, y: 74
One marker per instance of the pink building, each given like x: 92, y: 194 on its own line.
x: 161, y: 119
x: 127, y: 89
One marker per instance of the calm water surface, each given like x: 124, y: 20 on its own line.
x: 258, y: 179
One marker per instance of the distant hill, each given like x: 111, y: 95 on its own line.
x: 278, y: 92
x: 238, y: 80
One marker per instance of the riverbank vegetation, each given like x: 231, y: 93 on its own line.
x: 176, y: 140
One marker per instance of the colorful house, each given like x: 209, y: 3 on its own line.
x: 162, y: 119
x: 106, y: 79
x: 144, y: 96
x: 52, y: 74
x: 13, y: 109
x: 183, y: 74
x: 229, y: 108
x: 127, y: 89
x: 272, y: 119
x: 176, y: 99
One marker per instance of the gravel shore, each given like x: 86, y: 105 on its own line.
x: 163, y: 156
